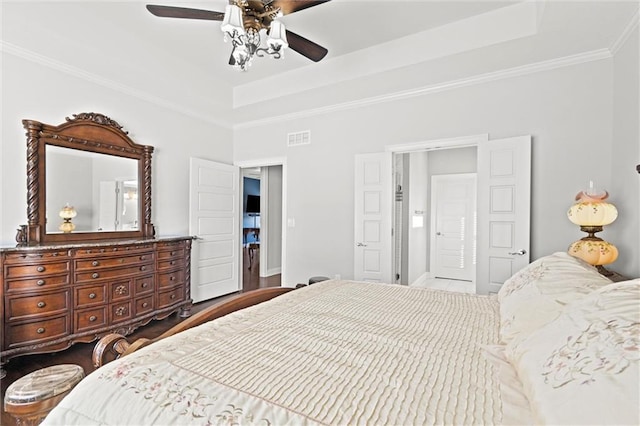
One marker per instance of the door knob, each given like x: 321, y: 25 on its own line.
x: 520, y: 252
x: 438, y: 233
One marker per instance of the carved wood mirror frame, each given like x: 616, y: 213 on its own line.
x: 90, y: 132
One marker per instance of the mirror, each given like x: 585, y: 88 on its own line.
x: 102, y: 189
x: 86, y: 180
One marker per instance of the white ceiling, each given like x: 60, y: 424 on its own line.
x: 376, y: 47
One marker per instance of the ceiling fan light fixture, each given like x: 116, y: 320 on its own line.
x: 277, y: 36
x: 232, y: 24
x: 244, y: 20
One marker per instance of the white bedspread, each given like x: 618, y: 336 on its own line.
x: 336, y: 352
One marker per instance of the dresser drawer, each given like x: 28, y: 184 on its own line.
x: 144, y: 285
x: 120, y: 290
x: 113, y: 273
x: 40, y: 283
x: 112, y: 251
x: 90, y: 295
x: 90, y: 318
x: 110, y: 262
x: 37, y: 331
x: 35, y: 256
x: 121, y: 312
x: 144, y: 304
x: 169, y: 279
x: 164, y: 265
x: 169, y: 298
x: 41, y: 304
x: 176, y: 252
x: 36, y: 269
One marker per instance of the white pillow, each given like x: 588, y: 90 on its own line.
x: 536, y: 295
x: 583, y: 367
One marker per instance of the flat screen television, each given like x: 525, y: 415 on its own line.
x: 253, y: 204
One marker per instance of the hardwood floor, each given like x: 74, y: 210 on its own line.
x: 80, y: 353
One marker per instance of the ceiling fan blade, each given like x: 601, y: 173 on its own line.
x: 290, y: 6
x: 183, y: 12
x: 305, y: 47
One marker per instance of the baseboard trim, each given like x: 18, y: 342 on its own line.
x: 271, y: 272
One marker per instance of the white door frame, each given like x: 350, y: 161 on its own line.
x: 265, y: 162
x: 432, y: 145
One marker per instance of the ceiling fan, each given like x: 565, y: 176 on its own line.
x: 244, y: 21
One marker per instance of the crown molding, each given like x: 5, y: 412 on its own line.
x: 590, y: 56
x: 626, y: 32
x: 594, y: 55
x: 39, y: 59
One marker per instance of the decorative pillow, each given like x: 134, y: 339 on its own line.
x: 537, y: 294
x: 584, y: 367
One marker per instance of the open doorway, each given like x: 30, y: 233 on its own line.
x: 261, y: 238
x: 424, y: 255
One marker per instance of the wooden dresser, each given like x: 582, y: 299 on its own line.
x: 58, y: 294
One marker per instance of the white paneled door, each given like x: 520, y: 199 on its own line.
x: 372, y: 234
x: 213, y: 218
x: 504, y: 192
x: 453, y: 204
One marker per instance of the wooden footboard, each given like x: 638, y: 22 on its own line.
x: 113, y: 346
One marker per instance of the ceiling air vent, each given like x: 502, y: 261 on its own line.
x: 299, y: 138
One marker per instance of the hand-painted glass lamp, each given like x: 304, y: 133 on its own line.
x: 67, y: 213
x: 591, y: 212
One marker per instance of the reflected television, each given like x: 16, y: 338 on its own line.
x: 253, y: 204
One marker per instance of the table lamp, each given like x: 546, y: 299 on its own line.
x: 67, y: 213
x: 591, y: 212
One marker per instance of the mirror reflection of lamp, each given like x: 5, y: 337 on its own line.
x: 67, y: 213
x: 591, y: 212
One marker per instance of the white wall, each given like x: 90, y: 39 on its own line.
x: 73, y: 185
x: 274, y: 197
x: 35, y: 91
x: 567, y: 111
x: 418, y: 241
x: 625, y: 181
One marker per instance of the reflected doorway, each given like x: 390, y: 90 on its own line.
x: 262, y: 200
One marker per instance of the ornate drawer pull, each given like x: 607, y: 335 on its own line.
x: 40, y: 330
x: 143, y: 268
x: 121, y: 289
x: 145, y: 304
x: 40, y: 282
x: 143, y: 257
x: 92, y: 318
x: 173, y: 296
x: 41, y: 304
x: 40, y: 269
x: 173, y: 262
x: 95, y: 263
x: 145, y: 285
x: 121, y: 311
x: 172, y: 278
x: 92, y: 296
x: 95, y: 275
x: 173, y: 253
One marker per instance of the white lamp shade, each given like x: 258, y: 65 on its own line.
x: 277, y: 35
x: 68, y: 212
x: 587, y: 213
x: 232, y: 20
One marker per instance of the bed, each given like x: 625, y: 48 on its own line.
x: 558, y: 345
